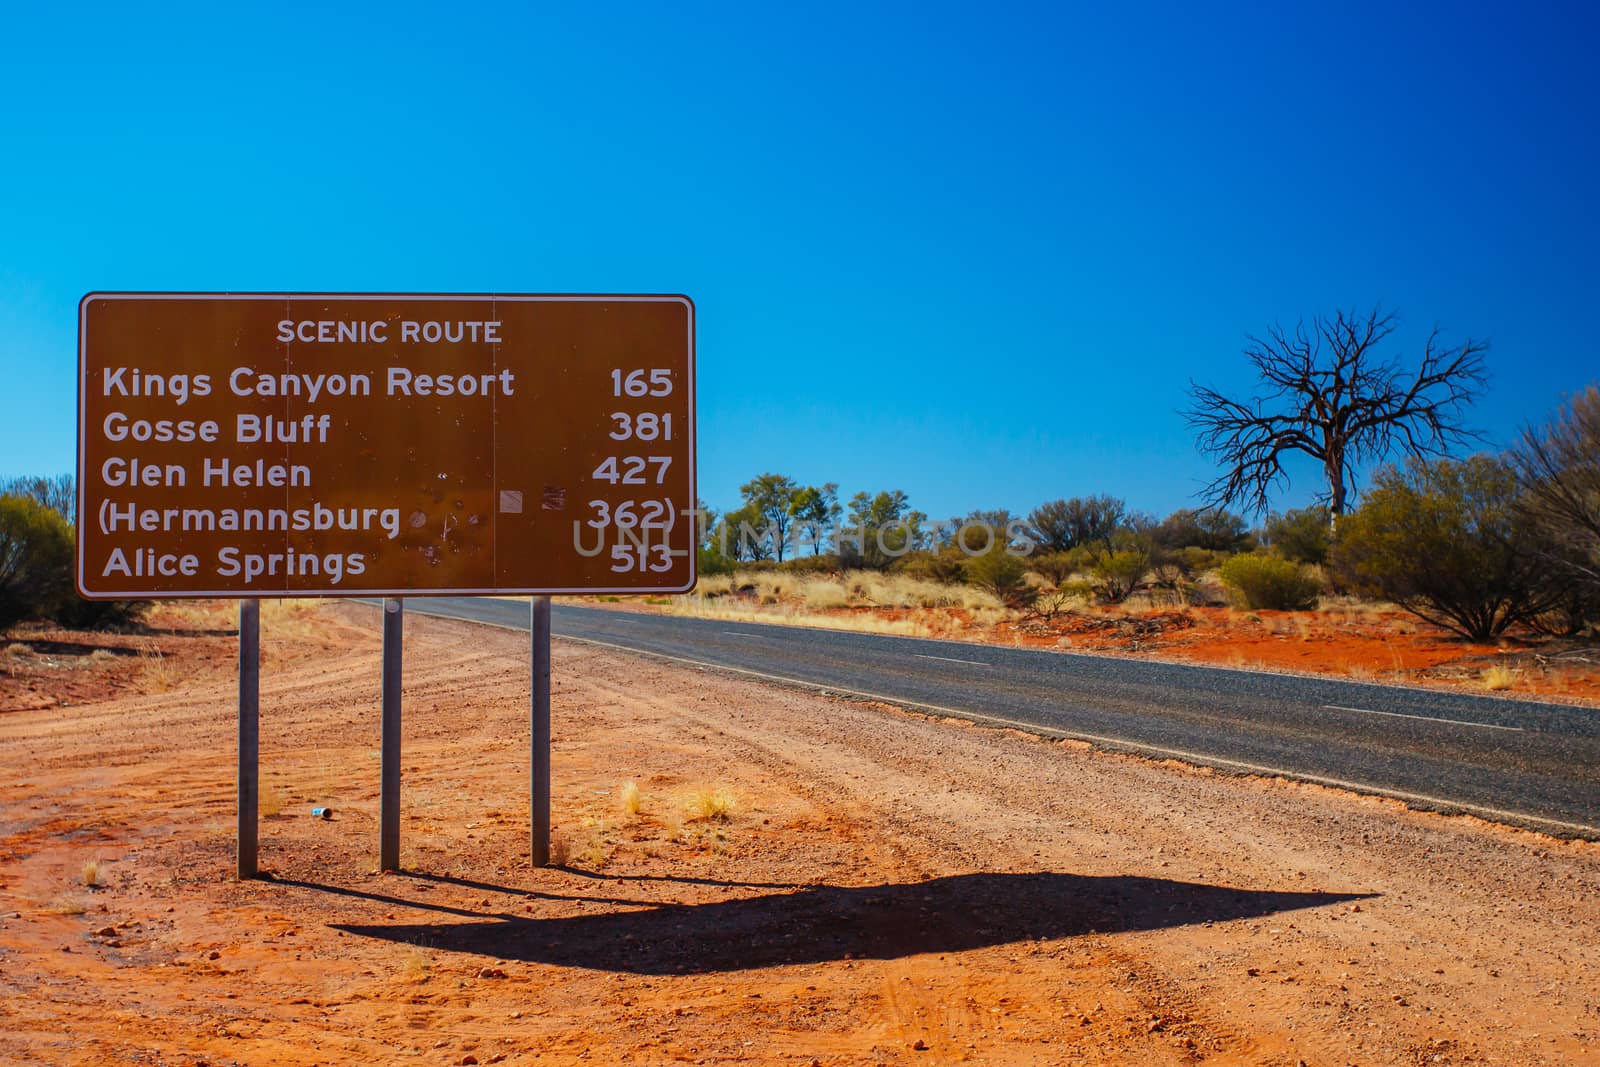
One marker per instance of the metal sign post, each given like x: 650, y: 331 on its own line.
x: 389, y: 800
x: 539, y: 739
x: 249, y: 732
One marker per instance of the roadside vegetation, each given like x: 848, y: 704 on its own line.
x: 1477, y: 545
x: 1480, y: 545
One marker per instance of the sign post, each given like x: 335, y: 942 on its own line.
x: 249, y: 732
x: 389, y: 772
x: 249, y: 445
x: 539, y: 733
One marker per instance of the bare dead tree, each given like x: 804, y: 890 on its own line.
x: 1326, y: 393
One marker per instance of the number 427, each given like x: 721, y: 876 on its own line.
x: 630, y: 470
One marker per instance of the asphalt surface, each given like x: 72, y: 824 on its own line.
x: 1523, y: 762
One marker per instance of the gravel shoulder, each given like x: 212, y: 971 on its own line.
x: 885, y: 888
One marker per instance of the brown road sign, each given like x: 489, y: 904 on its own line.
x: 326, y: 444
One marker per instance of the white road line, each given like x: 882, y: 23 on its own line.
x: 741, y: 633
x: 1426, y: 718
x: 1496, y: 814
x: 950, y: 659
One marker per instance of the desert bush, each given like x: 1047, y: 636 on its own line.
x: 711, y: 561
x: 1054, y: 567
x: 1115, y: 575
x: 1050, y: 603
x: 1060, y: 525
x: 1210, y: 528
x: 1179, y: 568
x: 822, y: 563
x: 1576, y: 609
x: 1303, y: 535
x: 947, y: 565
x: 35, y: 560
x: 58, y: 493
x: 1448, y: 541
x: 1268, y: 582
x: 1003, y: 576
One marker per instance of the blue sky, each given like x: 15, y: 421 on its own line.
x: 974, y: 252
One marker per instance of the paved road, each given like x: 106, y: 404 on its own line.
x: 1533, y: 764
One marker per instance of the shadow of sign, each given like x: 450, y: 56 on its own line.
x: 822, y: 923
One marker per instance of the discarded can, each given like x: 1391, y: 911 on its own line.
x: 322, y: 813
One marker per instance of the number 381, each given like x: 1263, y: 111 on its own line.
x: 645, y: 426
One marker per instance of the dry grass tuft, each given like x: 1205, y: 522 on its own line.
x: 270, y: 800
x: 560, y: 850
x: 92, y: 873
x: 715, y: 585
x: 66, y: 905
x: 156, y: 675
x: 628, y: 798
x: 1497, y: 677
x: 711, y: 805
x: 595, y: 855
x: 416, y: 966
x: 821, y: 594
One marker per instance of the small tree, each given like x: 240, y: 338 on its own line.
x: 771, y: 497
x: 1448, y: 541
x: 740, y: 535
x: 59, y: 493
x: 1062, y: 525
x: 816, y: 509
x: 1325, y: 393
x: 1208, y: 528
x: 35, y: 560
x: 879, y: 529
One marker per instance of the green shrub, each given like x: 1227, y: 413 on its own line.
x: 1219, y: 531
x: 1271, y: 583
x: 35, y: 560
x: 712, y: 561
x: 824, y: 563
x: 948, y: 565
x: 1054, y: 567
x: 1003, y: 575
x: 1115, y: 575
x: 1450, y: 541
x: 1304, y: 536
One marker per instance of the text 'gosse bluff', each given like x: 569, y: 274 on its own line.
x: 218, y: 471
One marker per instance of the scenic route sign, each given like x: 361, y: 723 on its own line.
x: 332, y: 444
